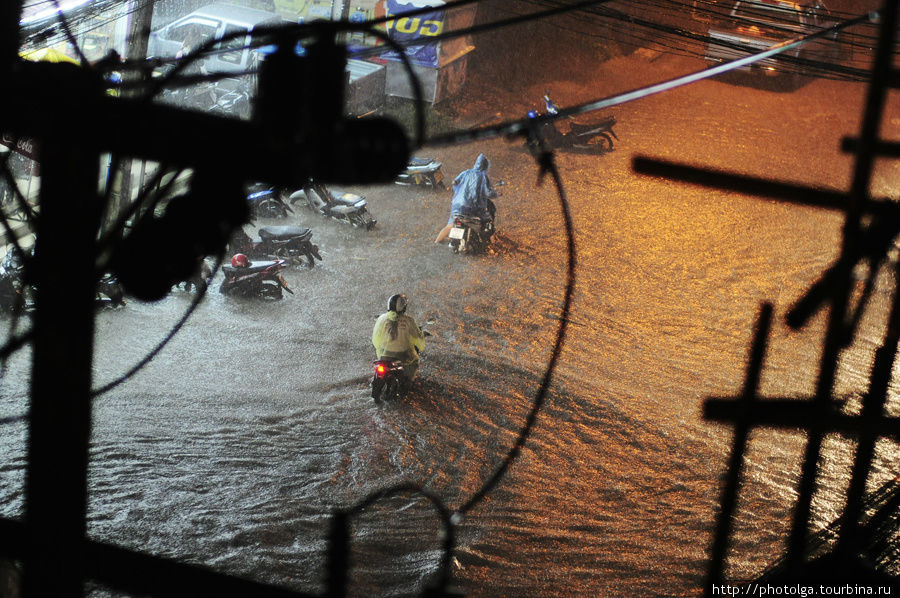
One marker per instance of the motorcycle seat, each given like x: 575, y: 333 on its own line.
x: 251, y: 269
x: 345, y: 198
x: 469, y: 219
x: 284, y: 233
x: 422, y: 163
x: 605, y: 124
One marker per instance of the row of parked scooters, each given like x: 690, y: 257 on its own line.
x: 257, y: 263
x: 258, y: 272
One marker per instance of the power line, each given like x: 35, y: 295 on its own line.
x: 522, y: 126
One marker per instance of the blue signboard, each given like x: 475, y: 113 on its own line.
x: 415, y: 33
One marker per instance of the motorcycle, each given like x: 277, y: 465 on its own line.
x: 597, y: 137
x: 472, y: 234
x: 233, y: 98
x: 290, y: 244
x: 17, y: 296
x: 389, y: 380
x: 109, y: 293
x: 269, y: 202
x: 256, y: 279
x: 14, y: 295
x: 340, y: 205
x: 199, y: 281
x: 422, y: 171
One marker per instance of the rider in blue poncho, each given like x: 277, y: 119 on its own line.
x: 472, y: 194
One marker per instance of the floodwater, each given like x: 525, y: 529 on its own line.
x: 233, y: 447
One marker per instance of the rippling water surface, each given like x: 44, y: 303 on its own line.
x: 232, y: 448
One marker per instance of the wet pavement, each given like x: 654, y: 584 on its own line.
x: 235, y: 444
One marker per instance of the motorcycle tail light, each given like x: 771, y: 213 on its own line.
x: 380, y: 370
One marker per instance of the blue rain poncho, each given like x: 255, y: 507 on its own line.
x: 472, y: 191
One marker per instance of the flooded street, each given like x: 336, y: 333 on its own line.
x: 233, y: 447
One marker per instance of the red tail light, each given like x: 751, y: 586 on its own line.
x: 380, y: 370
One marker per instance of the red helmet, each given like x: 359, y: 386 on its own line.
x: 240, y: 261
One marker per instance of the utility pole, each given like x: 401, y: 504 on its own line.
x: 136, y: 44
x: 59, y: 422
x: 51, y: 542
x: 63, y: 331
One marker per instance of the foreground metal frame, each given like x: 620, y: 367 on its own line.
x: 870, y: 228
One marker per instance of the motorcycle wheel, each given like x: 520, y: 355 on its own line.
x: 476, y: 244
x: 271, y: 208
x: 270, y: 289
x: 284, y: 194
x: 388, y: 390
x: 10, y: 299
x: 601, y: 144
x: 362, y: 219
x: 110, y: 292
x: 377, y: 389
x: 243, y: 108
x: 392, y: 389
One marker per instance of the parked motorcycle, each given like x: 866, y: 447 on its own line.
x: 422, y: 171
x: 244, y: 278
x: 288, y: 243
x: 269, y: 202
x: 14, y: 294
x: 199, y: 280
x: 17, y: 296
x: 596, y: 137
x: 340, y: 205
x: 109, y: 293
x: 232, y: 97
x: 195, y: 97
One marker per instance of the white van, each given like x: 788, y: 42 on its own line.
x: 213, y: 21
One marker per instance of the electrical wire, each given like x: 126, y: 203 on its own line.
x: 71, y: 38
x: 547, y: 165
x: 673, y: 38
x: 14, y: 342
x: 119, y: 226
x: 340, y: 534
x: 195, y: 302
x: 521, y: 127
x: 451, y: 519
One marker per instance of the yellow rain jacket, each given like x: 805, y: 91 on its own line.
x: 406, y: 346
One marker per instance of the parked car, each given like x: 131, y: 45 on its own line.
x: 213, y: 21
x: 756, y: 25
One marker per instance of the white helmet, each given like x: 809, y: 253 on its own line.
x: 397, y: 303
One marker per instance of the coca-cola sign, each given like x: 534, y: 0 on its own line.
x: 24, y: 146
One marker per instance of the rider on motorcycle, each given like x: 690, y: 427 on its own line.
x: 472, y: 194
x: 397, y: 336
